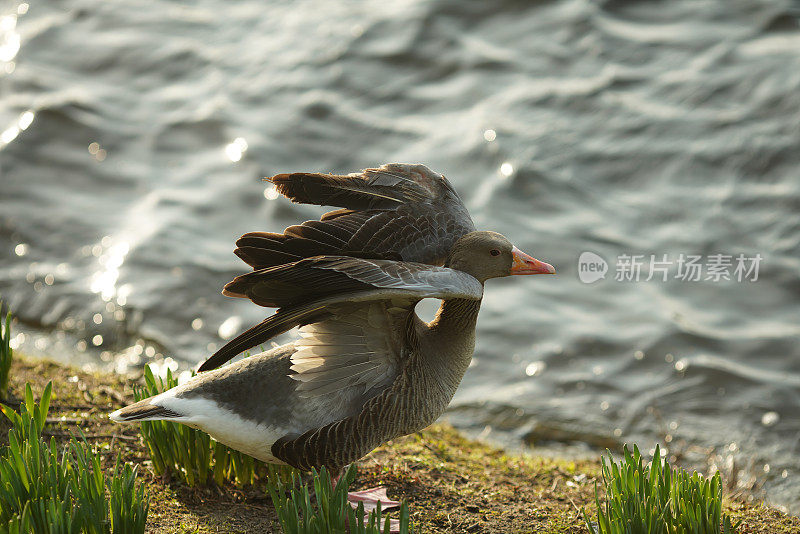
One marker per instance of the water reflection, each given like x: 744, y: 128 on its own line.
x: 122, y: 294
x: 229, y: 327
x: 770, y: 419
x: 9, y: 38
x: 270, y: 193
x: 10, y: 42
x: 161, y: 367
x: 236, y: 150
x: 21, y: 124
x: 535, y: 368
x: 16, y: 341
x: 104, y: 281
x: 96, y: 151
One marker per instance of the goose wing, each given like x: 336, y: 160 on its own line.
x: 327, y: 289
x: 397, y: 211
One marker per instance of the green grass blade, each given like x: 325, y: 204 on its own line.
x: 6, y: 355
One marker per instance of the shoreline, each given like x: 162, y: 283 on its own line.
x: 452, y: 483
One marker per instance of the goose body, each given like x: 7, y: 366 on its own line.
x: 366, y: 369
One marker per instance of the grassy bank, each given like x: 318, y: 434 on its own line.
x: 452, y: 484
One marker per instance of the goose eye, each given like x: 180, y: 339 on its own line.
x: 494, y: 252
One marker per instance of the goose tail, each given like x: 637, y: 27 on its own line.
x: 144, y: 410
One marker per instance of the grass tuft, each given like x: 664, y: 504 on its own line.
x: 332, y: 512
x: 6, y: 355
x: 657, y: 499
x: 44, y: 491
x: 190, y: 454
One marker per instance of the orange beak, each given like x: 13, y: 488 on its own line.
x: 524, y: 264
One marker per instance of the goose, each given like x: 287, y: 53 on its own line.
x: 366, y: 369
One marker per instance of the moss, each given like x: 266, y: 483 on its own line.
x: 452, y: 484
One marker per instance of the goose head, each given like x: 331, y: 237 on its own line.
x: 487, y: 255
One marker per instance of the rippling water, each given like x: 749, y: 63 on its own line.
x: 134, y: 136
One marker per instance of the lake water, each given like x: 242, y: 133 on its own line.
x: 134, y: 136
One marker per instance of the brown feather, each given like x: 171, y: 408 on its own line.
x: 282, y: 321
x: 352, y: 192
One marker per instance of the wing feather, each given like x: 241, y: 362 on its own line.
x: 331, y: 358
x: 322, y: 276
x: 310, y: 291
x: 398, y: 211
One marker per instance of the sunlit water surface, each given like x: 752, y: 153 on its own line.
x: 134, y: 136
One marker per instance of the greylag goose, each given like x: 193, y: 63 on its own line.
x: 366, y: 369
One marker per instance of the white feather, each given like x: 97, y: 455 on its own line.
x: 220, y: 423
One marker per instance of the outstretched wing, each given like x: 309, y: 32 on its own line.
x: 356, y: 346
x: 398, y: 211
x: 318, y: 289
x: 323, y: 276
